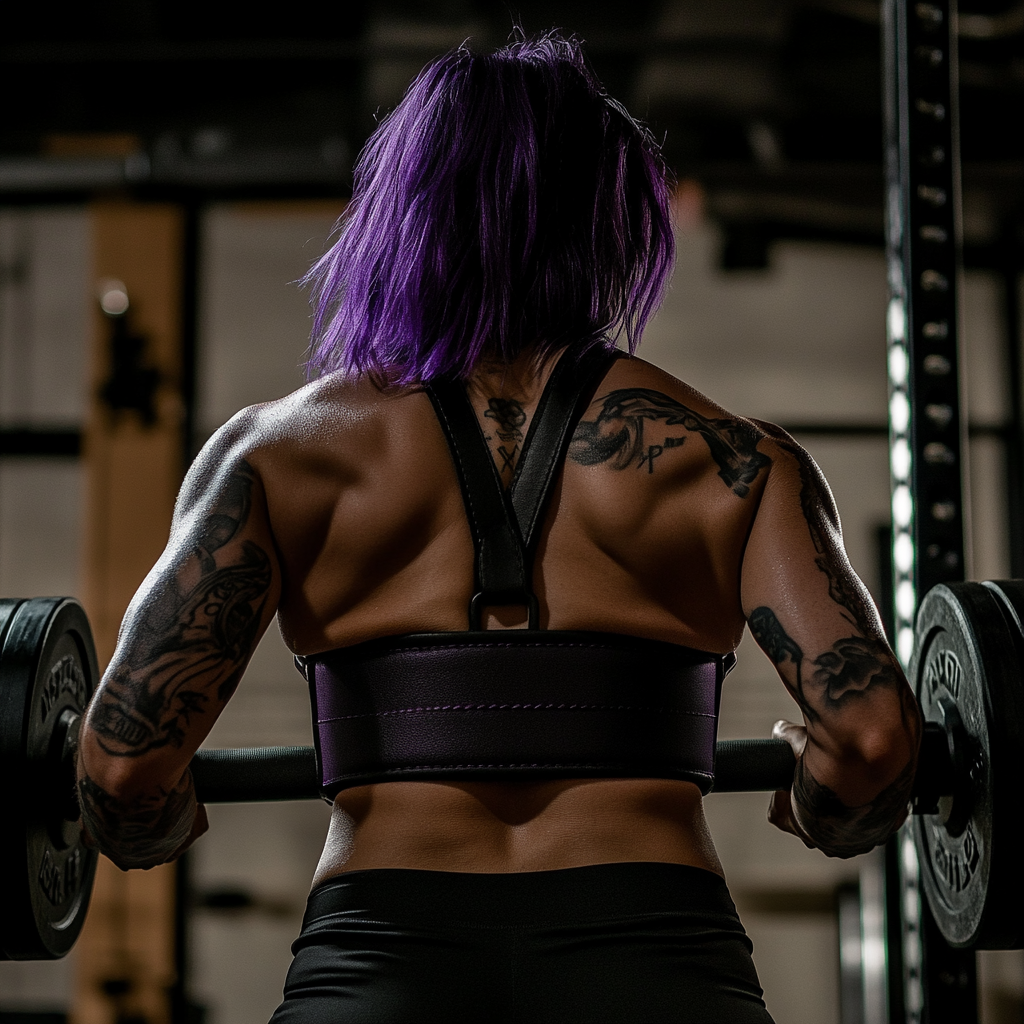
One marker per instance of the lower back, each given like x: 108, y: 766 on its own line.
x: 509, y: 827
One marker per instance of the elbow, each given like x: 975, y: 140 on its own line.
x: 883, y: 764
x: 120, y: 778
x: 126, y: 776
x: 876, y: 763
x: 872, y: 751
x: 884, y: 753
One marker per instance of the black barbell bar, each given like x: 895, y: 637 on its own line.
x: 966, y: 674
x: 259, y: 774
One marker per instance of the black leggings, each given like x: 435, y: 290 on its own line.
x: 612, y: 942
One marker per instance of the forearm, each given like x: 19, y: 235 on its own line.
x: 141, y: 827
x: 840, y: 830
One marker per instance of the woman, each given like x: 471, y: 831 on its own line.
x: 519, y: 834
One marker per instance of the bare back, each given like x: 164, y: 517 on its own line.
x: 368, y: 519
x: 338, y: 509
x: 644, y: 536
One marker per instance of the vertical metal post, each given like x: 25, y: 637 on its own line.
x: 923, y: 236
x: 873, y: 939
x: 1010, y: 269
x: 190, y: 288
x: 926, y: 431
x: 182, y: 1009
x: 851, y: 955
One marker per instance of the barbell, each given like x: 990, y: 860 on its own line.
x: 965, y: 670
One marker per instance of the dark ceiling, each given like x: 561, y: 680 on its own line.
x: 772, y: 108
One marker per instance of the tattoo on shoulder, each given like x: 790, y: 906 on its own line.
x: 191, y: 641
x: 617, y: 436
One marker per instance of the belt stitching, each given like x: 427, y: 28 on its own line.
x: 447, y: 767
x: 517, y: 707
x: 469, y: 646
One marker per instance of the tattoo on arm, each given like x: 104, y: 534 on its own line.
x: 849, y: 671
x: 780, y: 648
x: 814, y: 500
x: 842, y: 831
x: 141, y: 832
x: 616, y: 436
x: 193, y: 638
x: 853, y: 666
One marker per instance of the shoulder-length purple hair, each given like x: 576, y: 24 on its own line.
x: 506, y: 204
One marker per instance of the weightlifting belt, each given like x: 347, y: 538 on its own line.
x: 514, y: 703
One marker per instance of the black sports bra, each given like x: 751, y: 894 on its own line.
x: 520, y: 703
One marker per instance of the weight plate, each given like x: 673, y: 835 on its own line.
x: 966, y: 673
x: 48, y: 672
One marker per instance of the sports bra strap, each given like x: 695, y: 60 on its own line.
x: 499, y: 564
x: 505, y: 524
x: 563, y: 402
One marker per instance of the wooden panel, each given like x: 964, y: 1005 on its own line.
x: 132, y: 471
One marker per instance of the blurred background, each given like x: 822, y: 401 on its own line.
x: 194, y: 157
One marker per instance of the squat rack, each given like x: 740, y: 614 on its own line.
x: 926, y: 981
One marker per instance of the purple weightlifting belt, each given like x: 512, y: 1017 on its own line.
x: 539, y: 703
x: 514, y: 703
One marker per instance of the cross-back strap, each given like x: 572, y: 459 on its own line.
x: 565, y: 398
x: 504, y: 524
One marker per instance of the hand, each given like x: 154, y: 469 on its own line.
x: 200, y: 825
x: 780, y: 811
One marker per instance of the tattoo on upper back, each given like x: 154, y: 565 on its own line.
x: 191, y: 642
x: 509, y: 417
x: 616, y: 436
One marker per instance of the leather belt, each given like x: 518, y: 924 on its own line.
x: 514, y: 704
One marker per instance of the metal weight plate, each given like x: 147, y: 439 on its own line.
x: 48, y: 672
x: 966, y: 672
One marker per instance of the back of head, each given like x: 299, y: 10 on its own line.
x: 506, y: 205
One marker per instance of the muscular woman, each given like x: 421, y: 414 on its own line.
x: 508, y: 220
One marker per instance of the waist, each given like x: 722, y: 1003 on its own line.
x: 499, y: 827
x: 514, y: 703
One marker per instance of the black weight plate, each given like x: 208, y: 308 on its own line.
x: 48, y: 672
x: 966, y: 673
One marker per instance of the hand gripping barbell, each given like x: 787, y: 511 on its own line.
x: 965, y: 670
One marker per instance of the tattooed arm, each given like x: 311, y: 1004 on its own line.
x: 184, y: 644
x: 812, y: 616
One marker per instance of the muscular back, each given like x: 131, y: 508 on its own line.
x: 338, y: 508
x: 644, y: 535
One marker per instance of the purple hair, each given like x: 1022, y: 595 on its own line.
x: 506, y: 204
